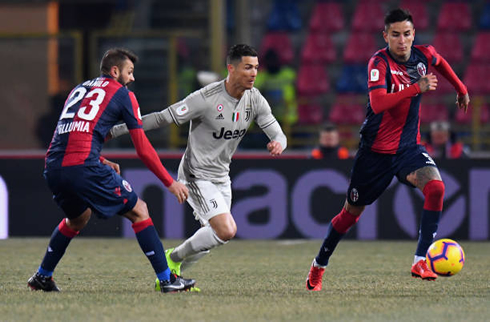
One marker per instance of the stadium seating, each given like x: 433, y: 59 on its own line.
x: 348, y: 110
x: 476, y: 78
x: 466, y: 118
x: 353, y: 79
x: 432, y: 111
x: 481, y: 48
x: 454, y: 16
x: 368, y: 16
x: 312, y: 79
x: 418, y: 9
x: 318, y: 48
x: 281, y: 43
x: 327, y: 17
x: 359, y: 48
x: 448, y: 44
x: 484, y: 22
x: 284, y: 16
x: 309, y: 111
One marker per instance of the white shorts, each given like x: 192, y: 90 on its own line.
x: 208, y: 199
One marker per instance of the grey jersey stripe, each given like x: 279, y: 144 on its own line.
x: 195, y: 189
x: 213, y: 91
x: 269, y: 124
x: 173, y: 117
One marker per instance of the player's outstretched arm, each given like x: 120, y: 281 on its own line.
x: 150, y: 121
x: 148, y: 155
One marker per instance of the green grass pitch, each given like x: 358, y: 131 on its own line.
x: 111, y: 280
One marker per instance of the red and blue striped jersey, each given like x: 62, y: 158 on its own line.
x: 90, y: 111
x: 398, y: 127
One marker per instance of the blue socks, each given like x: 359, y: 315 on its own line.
x: 60, y: 239
x: 152, y: 247
x: 428, y: 228
x: 329, y: 243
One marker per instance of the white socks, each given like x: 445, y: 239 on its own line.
x: 316, y: 264
x: 204, y: 239
x: 416, y: 259
x: 191, y: 260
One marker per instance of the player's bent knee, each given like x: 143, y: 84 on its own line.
x: 79, y: 222
x: 139, y: 212
x: 225, y: 231
x: 224, y: 226
x: 354, y: 210
x: 226, y: 234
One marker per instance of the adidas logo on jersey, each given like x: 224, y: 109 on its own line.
x: 220, y: 116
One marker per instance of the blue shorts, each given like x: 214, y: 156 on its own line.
x: 372, y: 172
x: 97, y: 187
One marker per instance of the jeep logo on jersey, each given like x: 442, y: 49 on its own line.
x: 228, y: 134
x: 421, y: 69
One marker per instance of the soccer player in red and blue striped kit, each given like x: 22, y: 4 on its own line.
x: 390, y: 140
x: 84, y: 183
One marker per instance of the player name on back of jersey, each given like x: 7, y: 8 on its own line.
x: 98, y: 82
x: 80, y: 126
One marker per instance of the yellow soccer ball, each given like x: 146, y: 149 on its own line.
x: 445, y: 257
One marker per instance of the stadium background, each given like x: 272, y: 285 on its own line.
x: 46, y: 47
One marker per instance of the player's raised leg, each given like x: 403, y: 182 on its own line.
x: 211, y: 203
x: 219, y: 231
x: 151, y: 245
x: 337, y: 228
x: 60, y: 239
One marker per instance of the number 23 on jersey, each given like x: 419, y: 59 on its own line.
x: 87, y: 113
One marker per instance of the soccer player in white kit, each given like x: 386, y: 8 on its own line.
x: 219, y: 115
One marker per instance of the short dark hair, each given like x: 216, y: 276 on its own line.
x: 116, y: 57
x: 328, y: 127
x: 238, y: 51
x: 397, y: 15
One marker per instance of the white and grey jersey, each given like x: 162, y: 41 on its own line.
x: 218, y: 123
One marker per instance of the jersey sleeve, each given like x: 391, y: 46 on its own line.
x: 430, y: 52
x: 190, y: 108
x: 148, y: 155
x: 264, y: 117
x: 376, y: 73
x: 131, y: 112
